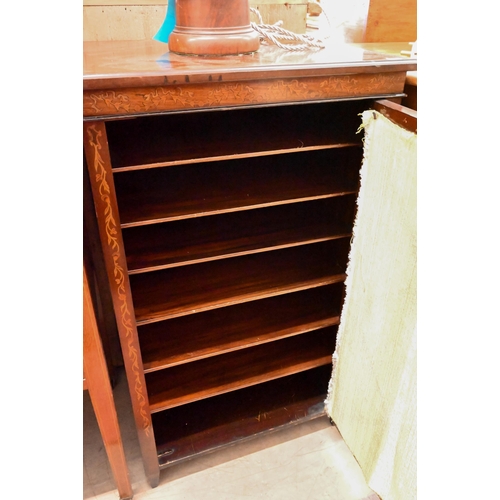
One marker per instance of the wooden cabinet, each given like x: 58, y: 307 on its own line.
x: 225, y: 191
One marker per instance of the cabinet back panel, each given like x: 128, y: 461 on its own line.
x: 219, y: 374
x: 198, y: 239
x: 171, y: 193
x: 154, y: 140
x: 185, y: 290
x: 196, y: 336
x: 181, y: 434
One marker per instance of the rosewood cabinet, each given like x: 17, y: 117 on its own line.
x: 225, y: 194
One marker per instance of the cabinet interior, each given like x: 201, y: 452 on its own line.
x: 236, y: 226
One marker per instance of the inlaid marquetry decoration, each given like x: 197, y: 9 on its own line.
x: 171, y: 97
x: 123, y: 313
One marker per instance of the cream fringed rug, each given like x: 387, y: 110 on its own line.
x: 372, y: 393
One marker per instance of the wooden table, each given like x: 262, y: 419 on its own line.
x: 225, y: 195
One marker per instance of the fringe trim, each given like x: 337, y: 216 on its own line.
x: 367, y: 119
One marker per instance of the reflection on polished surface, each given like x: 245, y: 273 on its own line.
x: 150, y: 58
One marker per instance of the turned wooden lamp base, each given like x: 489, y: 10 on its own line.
x: 213, y: 28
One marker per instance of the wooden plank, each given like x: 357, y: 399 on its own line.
x: 292, y: 14
x: 160, y: 246
x: 139, y: 100
x: 192, y: 289
x: 141, y: 19
x: 401, y: 115
x: 256, y: 3
x: 249, y: 426
x: 181, y: 434
x: 410, y: 101
x: 99, y: 386
x: 391, y: 21
x: 253, y: 3
x: 166, y: 344
x: 151, y: 74
x: 122, y: 3
x: 123, y: 22
x: 158, y: 141
x: 98, y: 282
x: 209, y: 377
x: 181, y: 193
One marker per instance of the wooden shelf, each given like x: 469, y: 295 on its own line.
x: 154, y: 141
x: 172, y: 244
x: 179, y: 291
x: 173, y: 193
x: 235, y: 416
x: 197, y: 336
x: 228, y: 372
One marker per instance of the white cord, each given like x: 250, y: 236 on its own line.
x: 274, y: 33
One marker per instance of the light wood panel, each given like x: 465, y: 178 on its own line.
x: 122, y: 22
x: 141, y: 19
x: 292, y: 13
x: 391, y: 21
x: 122, y: 3
x: 383, y: 21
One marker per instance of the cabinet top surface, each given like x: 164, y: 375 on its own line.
x: 119, y: 64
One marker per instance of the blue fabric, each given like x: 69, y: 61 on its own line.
x: 168, y: 25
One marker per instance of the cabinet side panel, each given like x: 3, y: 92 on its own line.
x: 101, y: 394
x: 98, y: 161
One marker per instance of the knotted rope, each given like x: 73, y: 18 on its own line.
x: 274, y: 33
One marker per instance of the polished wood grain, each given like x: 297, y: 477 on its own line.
x: 176, y: 193
x: 98, y: 280
x: 403, y: 116
x: 410, y: 101
x: 227, y: 372
x: 286, y: 401
x: 197, y: 336
x: 101, y: 395
x: 118, y: 65
x: 155, y: 141
x: 185, y: 290
x: 196, y: 240
x: 101, y: 178
x: 213, y: 28
x: 123, y: 78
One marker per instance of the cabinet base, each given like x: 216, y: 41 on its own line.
x: 233, y: 418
